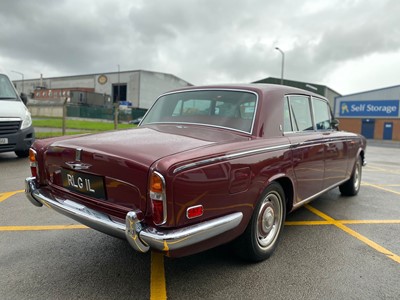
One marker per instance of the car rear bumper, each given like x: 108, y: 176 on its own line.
x: 140, y: 236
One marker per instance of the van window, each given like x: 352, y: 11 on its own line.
x: 7, y: 91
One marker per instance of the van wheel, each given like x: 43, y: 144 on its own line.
x: 262, y: 234
x: 22, y: 153
x: 352, y: 186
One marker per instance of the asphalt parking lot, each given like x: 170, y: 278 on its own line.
x: 334, y: 248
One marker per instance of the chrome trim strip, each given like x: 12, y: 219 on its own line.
x: 10, y: 119
x: 78, y: 165
x: 78, y: 154
x: 230, y: 156
x: 302, y: 202
x: 140, y: 237
x: 200, y: 124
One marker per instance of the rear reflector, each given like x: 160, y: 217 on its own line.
x: 194, y: 211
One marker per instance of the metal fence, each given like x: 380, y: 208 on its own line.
x: 90, y: 112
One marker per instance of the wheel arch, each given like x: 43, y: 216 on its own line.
x: 288, y: 187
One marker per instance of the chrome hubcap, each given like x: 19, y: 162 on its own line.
x: 269, y: 220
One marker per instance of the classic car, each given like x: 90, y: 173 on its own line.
x: 206, y: 166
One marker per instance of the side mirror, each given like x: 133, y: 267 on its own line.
x: 335, y: 124
x: 24, y: 98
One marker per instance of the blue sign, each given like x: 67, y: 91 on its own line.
x: 376, y: 108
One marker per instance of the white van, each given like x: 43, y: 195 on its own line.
x: 16, y: 131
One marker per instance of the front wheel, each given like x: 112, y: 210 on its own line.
x: 352, y: 186
x: 22, y: 153
x: 262, y: 234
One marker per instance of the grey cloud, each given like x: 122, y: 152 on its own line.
x: 202, y: 41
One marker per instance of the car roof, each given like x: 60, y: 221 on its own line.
x: 262, y: 88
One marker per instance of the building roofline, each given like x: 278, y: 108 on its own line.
x: 369, y: 91
x: 97, y: 74
x: 316, y: 84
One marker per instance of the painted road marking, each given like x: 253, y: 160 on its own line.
x: 381, y: 188
x: 158, y: 290
x: 157, y: 276
x: 4, y: 196
x: 38, y: 228
x: 375, y: 168
x: 316, y: 223
x: 355, y: 234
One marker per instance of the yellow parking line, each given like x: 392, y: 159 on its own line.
x: 355, y: 234
x: 35, y: 228
x: 369, y: 221
x: 158, y: 289
x: 375, y: 168
x: 314, y: 223
x: 306, y: 223
x: 381, y: 188
x: 4, y: 196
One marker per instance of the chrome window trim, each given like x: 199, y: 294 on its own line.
x: 206, y: 89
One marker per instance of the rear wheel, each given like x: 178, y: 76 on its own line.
x: 352, y: 186
x: 262, y: 234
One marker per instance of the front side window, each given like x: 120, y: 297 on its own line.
x: 220, y: 108
x: 7, y: 91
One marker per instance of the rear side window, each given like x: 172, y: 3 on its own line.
x: 322, y: 114
x: 300, y: 112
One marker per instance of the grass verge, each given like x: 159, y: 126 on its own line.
x: 84, y: 126
x: 79, y: 124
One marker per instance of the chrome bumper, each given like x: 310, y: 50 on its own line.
x: 140, y: 236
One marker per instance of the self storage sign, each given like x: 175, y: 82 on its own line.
x: 381, y: 108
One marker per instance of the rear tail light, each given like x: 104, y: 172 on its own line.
x: 158, y: 199
x: 33, y: 163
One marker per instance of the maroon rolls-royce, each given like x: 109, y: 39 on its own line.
x: 206, y: 166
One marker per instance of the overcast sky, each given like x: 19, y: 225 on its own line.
x: 348, y: 45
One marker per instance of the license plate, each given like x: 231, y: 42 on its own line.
x: 82, y: 183
x: 3, y: 141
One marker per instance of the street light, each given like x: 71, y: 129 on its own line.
x: 22, y: 79
x: 283, y: 62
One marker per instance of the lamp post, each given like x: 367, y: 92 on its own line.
x: 116, y: 104
x: 283, y: 62
x: 22, y: 79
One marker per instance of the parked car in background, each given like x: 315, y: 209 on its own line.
x: 16, y: 130
x: 206, y: 166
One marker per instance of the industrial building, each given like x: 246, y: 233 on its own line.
x: 316, y: 88
x: 374, y: 114
x: 139, y: 87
